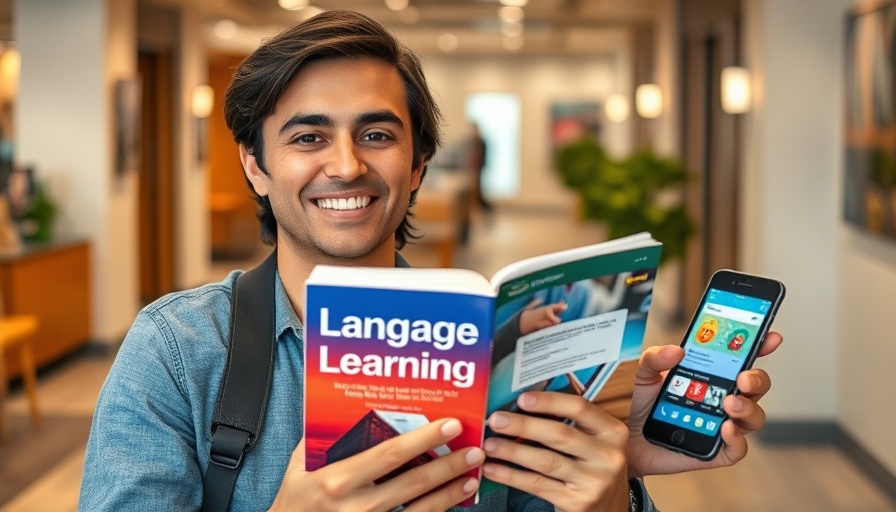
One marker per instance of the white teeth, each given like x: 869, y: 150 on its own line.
x: 352, y: 203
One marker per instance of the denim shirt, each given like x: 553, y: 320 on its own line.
x: 149, y: 441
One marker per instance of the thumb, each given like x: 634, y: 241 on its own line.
x: 655, y: 361
x: 297, y: 459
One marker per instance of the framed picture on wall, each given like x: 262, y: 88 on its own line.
x: 572, y: 120
x: 128, y: 100
x: 870, y: 124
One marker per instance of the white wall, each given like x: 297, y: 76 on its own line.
x: 838, y: 318
x: 72, y: 54
x: 192, y: 244
x: 866, y: 378
x: 538, y: 81
x: 790, y: 204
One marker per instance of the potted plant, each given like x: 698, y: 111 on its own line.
x: 38, y: 217
x: 635, y: 194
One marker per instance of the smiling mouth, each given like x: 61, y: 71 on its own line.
x: 350, y: 203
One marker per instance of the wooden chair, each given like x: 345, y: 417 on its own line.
x: 16, y: 332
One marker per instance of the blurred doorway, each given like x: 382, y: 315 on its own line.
x: 156, y: 197
x: 710, y: 146
x: 498, y: 116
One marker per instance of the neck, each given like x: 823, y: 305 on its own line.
x: 294, y: 267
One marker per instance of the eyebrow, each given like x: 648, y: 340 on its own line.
x: 378, y: 116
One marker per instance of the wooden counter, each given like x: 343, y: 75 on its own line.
x: 50, y: 280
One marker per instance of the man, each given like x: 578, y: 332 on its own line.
x: 335, y: 125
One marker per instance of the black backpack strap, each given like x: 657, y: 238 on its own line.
x: 243, y: 396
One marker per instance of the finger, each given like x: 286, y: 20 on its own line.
x: 734, y: 443
x: 370, y: 465
x: 297, y: 459
x: 655, y: 361
x: 446, y: 497
x: 746, y: 414
x: 754, y: 384
x: 589, y: 421
x: 527, y: 481
x: 423, y: 479
x: 771, y: 343
x: 538, y: 459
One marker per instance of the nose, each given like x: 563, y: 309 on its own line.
x: 345, y: 160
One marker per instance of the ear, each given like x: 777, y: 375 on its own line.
x: 417, y: 173
x: 253, y: 172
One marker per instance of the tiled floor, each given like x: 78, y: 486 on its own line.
x: 792, y: 478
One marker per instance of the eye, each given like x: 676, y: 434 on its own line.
x: 306, y: 138
x: 376, y: 137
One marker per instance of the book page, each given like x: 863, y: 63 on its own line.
x: 568, y: 347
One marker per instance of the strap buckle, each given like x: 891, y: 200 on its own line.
x: 228, y: 446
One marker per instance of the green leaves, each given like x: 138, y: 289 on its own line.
x: 630, y: 195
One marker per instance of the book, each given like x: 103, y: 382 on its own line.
x: 390, y: 349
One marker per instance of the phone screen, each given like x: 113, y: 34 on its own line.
x: 717, y: 347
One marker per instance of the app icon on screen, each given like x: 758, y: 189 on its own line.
x: 679, y: 385
x: 696, y: 391
x: 714, y: 396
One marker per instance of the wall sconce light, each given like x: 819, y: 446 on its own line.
x: 735, y: 90
x: 10, y: 64
x: 202, y: 105
x: 203, y: 101
x: 649, y: 101
x: 616, y: 108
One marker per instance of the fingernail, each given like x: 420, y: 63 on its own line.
x: 755, y: 382
x: 490, y: 445
x: 526, y: 399
x: 492, y: 470
x: 738, y: 404
x: 451, y: 428
x: 471, y: 485
x: 474, y: 457
x: 498, y: 420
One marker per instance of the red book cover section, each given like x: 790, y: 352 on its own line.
x: 381, y: 362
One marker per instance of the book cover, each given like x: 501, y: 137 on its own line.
x: 591, y: 348
x: 390, y: 349
x: 380, y: 362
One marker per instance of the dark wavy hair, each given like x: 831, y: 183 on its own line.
x: 262, y: 77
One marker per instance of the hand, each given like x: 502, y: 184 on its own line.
x: 745, y: 414
x: 348, y: 484
x: 583, y: 466
x: 534, y: 318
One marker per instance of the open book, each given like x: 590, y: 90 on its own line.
x: 390, y: 349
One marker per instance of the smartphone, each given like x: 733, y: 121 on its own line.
x: 722, y: 340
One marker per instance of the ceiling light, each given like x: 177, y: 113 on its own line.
x: 514, y: 3
x: 293, y: 5
x: 511, y: 14
x: 447, y: 42
x: 225, y: 29
x: 514, y: 29
x: 396, y: 5
x: 512, y: 44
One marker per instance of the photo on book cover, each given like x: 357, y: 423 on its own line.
x: 582, y: 337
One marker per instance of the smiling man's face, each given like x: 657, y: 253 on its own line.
x: 338, y: 152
